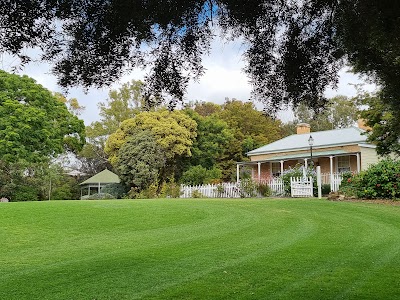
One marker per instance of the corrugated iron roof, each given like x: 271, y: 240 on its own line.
x: 307, y: 155
x: 105, y: 176
x: 322, y: 139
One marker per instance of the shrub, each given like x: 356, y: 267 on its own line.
x: 381, y: 180
x: 220, y: 189
x: 172, y: 190
x: 118, y: 190
x: 197, y: 175
x: 197, y: 194
x: 66, y: 188
x: 264, y: 190
x: 148, y: 193
x: 98, y: 196
x: 248, y: 188
x: 25, y: 193
x: 349, y: 186
x: 325, y: 189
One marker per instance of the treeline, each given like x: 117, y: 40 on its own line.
x: 196, y: 144
x: 151, y: 148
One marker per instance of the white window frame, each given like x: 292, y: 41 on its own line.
x: 343, y: 164
x: 275, y: 166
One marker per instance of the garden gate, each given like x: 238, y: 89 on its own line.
x: 301, y: 186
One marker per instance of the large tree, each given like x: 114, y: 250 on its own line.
x: 34, y: 125
x: 340, y: 112
x: 213, y: 144
x: 382, y: 122
x: 174, y: 132
x: 293, y: 49
x: 252, y: 128
x: 140, y: 160
x: 122, y: 104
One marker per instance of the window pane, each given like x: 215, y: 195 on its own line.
x: 343, y: 164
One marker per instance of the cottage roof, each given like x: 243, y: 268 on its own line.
x: 322, y: 139
x: 105, y: 176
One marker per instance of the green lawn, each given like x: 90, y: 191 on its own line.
x: 199, y: 249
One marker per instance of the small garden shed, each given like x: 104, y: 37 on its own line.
x: 94, y: 184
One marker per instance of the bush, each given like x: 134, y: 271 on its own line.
x: 248, y: 188
x: 197, y: 194
x: 348, y: 186
x: 149, y: 193
x: 25, y: 193
x: 118, y: 190
x: 325, y: 189
x: 171, y: 190
x: 66, y: 188
x: 264, y: 190
x: 197, y: 175
x: 220, y: 189
x: 98, y: 196
x: 379, y: 181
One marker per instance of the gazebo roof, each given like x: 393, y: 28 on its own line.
x: 105, y: 176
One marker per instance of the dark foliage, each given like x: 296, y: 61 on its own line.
x: 379, y: 181
x: 140, y: 160
x: 118, y: 190
x: 294, y: 48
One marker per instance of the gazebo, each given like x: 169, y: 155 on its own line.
x: 96, y: 182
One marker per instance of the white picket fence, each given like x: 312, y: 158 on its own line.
x: 229, y: 189
x: 222, y: 190
x: 276, y: 185
x: 301, y: 187
x: 335, y: 180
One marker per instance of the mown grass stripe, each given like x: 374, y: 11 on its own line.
x: 199, y: 249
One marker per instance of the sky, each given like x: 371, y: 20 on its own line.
x: 223, y: 78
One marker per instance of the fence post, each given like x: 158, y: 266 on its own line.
x: 319, y: 182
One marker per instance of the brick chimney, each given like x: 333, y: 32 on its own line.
x: 361, y: 125
x: 303, y: 128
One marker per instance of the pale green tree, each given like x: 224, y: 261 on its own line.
x: 72, y: 104
x: 122, y: 104
x: 174, y: 132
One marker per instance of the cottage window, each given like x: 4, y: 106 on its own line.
x: 343, y: 164
x: 276, y: 169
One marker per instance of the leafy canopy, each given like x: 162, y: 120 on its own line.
x: 294, y: 49
x: 173, y: 131
x: 122, y: 104
x: 140, y: 160
x: 33, y: 123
